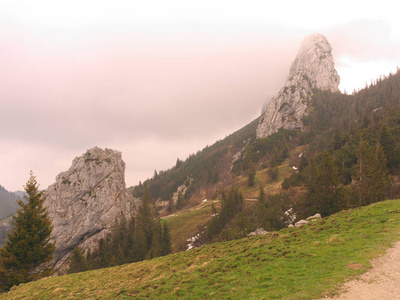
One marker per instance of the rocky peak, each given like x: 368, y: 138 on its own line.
x: 86, y: 200
x: 312, y: 68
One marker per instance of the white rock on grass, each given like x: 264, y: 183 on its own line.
x: 258, y: 231
x: 300, y: 223
x: 315, y: 217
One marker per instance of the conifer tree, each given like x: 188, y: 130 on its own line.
x: 78, y: 261
x: 389, y: 146
x: 323, y: 186
x: 140, y: 243
x: 214, y: 211
x: 170, y: 207
x: 273, y: 169
x: 28, y: 251
x: 166, y: 246
x: 155, y: 248
x: 252, y: 176
x: 130, y: 241
x: 145, y: 216
x: 371, y: 174
x: 262, y: 197
x: 231, y: 204
x: 179, y: 201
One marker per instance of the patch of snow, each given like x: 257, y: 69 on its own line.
x: 291, y: 215
x: 191, y: 241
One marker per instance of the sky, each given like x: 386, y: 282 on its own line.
x: 158, y: 80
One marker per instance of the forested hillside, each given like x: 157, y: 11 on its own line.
x: 347, y: 156
x: 204, y: 173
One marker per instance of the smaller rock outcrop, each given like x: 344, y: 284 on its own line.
x: 85, y: 201
x: 301, y: 223
x: 313, y: 218
x: 313, y: 68
x: 258, y: 231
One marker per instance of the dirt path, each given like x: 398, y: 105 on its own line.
x: 380, y: 282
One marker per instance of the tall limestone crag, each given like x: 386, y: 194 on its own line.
x: 85, y: 202
x: 313, y: 68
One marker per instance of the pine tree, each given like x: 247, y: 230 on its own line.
x: 323, y: 186
x: 231, y: 204
x: 262, y: 197
x: 130, y: 241
x: 179, y: 201
x: 214, y: 211
x: 371, y: 174
x: 28, y: 251
x: 252, y: 176
x: 140, y: 243
x: 78, y: 261
x: 145, y: 216
x: 273, y: 169
x: 166, y: 246
x: 388, y: 143
x: 155, y: 248
x: 170, y: 207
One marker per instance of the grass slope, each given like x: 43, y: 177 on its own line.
x: 303, y: 263
x: 185, y: 224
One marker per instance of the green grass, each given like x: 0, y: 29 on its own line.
x: 303, y: 263
x: 185, y: 223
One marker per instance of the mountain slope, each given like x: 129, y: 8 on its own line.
x: 303, y: 263
x: 335, y: 126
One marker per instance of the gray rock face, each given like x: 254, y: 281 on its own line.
x: 85, y: 201
x: 312, y: 68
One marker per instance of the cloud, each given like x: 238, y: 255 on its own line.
x: 177, y: 93
x: 365, y: 40
x: 364, y: 50
x: 156, y: 82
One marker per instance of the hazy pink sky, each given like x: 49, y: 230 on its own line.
x: 159, y: 80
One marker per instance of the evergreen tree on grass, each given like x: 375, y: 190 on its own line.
x: 372, y: 179
x: 28, y: 251
x: 78, y: 261
x: 324, y: 195
x: 155, y: 248
x: 166, y: 246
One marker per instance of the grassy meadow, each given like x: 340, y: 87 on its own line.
x: 304, y: 263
